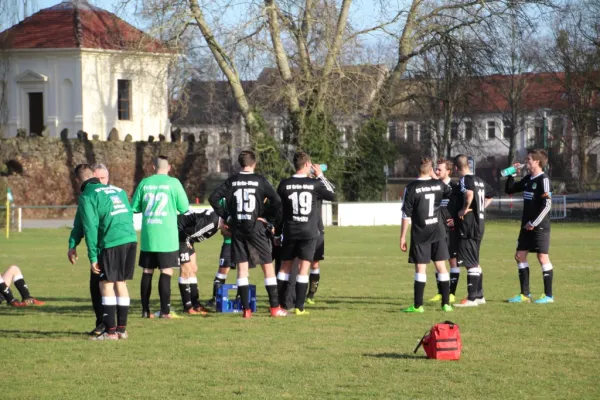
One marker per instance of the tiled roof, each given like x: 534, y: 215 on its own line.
x: 77, y: 24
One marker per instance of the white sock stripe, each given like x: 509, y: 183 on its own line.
x: 421, y: 277
x: 315, y: 271
x: 17, y: 278
x: 183, y: 281
x: 272, y: 281
x: 243, y: 282
x: 546, y: 267
x: 443, y: 277
x: 282, y: 276
x: 473, y: 271
x: 479, y: 270
x: 123, y: 301
x: 455, y: 270
x: 221, y: 276
x: 109, y: 301
x: 193, y: 280
x: 523, y: 265
x: 302, y: 279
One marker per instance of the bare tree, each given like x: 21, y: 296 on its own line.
x: 576, y: 55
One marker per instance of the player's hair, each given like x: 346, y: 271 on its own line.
x: 161, y: 162
x: 247, y: 158
x: 300, y: 160
x: 83, y: 172
x: 99, y: 166
x: 539, y: 155
x: 462, y: 162
x: 425, y: 166
x: 449, y: 163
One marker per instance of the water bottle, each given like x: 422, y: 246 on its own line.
x: 323, y: 168
x: 512, y: 170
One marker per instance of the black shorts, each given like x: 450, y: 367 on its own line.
x: 253, y: 247
x: 320, y: 249
x: 225, y: 260
x: 185, y: 252
x: 117, y: 263
x: 468, y: 253
x: 304, y: 249
x: 452, y: 238
x: 160, y: 260
x: 425, y: 253
x: 535, y: 241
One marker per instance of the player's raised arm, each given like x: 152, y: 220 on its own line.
x: 275, y: 205
x: 136, y: 201
x: 325, y: 190
x: 216, y: 196
x: 514, y: 187
x: 182, y: 201
x: 90, y: 222
x: 467, y: 187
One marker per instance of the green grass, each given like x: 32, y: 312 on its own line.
x: 355, y: 344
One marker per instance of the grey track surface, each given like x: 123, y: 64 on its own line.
x: 47, y: 223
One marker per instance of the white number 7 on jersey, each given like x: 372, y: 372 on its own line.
x: 431, y: 198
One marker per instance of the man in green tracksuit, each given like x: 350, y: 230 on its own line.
x: 107, y: 220
x: 100, y: 172
x: 159, y: 198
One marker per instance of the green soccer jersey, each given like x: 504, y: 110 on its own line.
x: 106, y: 217
x: 160, y: 198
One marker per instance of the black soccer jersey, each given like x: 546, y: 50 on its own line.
x: 245, y: 194
x: 421, y: 203
x: 537, y: 198
x: 300, y: 196
x: 449, y: 206
x: 197, y: 226
x: 473, y: 224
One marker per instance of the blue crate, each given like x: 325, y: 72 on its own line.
x: 227, y: 302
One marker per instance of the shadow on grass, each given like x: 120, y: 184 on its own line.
x: 396, y: 356
x: 39, y: 334
x: 82, y: 310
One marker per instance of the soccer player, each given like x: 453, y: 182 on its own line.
x: 14, y: 275
x: 474, y: 195
x: 107, y: 220
x: 100, y: 172
x: 300, y: 195
x: 245, y: 194
x: 159, y: 198
x: 421, y: 205
x: 534, y: 235
x: 449, y: 212
x: 194, y: 227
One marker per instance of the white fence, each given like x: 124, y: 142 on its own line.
x: 369, y: 214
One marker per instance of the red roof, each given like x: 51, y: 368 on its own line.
x: 77, y: 24
x: 538, y: 90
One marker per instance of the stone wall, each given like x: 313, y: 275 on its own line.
x: 40, y: 170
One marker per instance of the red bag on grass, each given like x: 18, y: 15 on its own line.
x: 442, y: 342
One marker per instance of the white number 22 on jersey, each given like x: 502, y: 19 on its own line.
x: 301, y: 203
x: 156, y: 204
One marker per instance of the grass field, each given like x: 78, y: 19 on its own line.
x: 355, y: 344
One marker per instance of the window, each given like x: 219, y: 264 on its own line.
x: 349, y: 132
x: 491, y: 130
x: 410, y: 133
x: 225, y: 165
x: 124, y: 99
x: 224, y: 138
x: 454, y: 131
x: 538, y: 137
x: 393, y: 135
x: 592, y: 165
x: 468, y: 131
x: 507, y: 132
